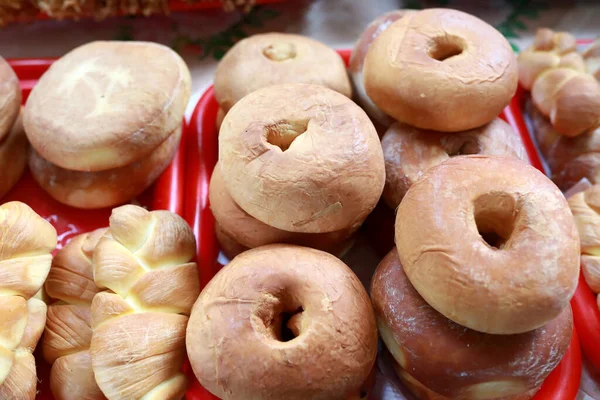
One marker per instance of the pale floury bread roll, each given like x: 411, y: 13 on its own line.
x: 13, y: 156
x: 585, y: 206
x: 107, y: 104
x: 275, y: 58
x: 26, y: 241
x: 68, y: 331
x: 10, y: 98
x: 138, y: 339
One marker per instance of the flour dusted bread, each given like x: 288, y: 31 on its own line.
x: 298, y: 317
x: 107, y: 104
x: 490, y: 243
x: 439, y: 359
x: 138, y: 324
x: 441, y: 69
x: 10, y: 98
x: 301, y: 158
x: 26, y: 241
x: 69, y: 327
x: 409, y: 151
x: 13, y: 156
x: 275, y: 58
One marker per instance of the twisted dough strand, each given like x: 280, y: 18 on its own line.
x: 138, y: 340
x: 26, y: 241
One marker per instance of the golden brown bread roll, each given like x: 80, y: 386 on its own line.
x: 26, y: 241
x: 13, y: 157
x: 105, y: 105
x: 408, y: 151
x: 549, y: 50
x: 69, y: 327
x: 439, y: 359
x: 591, y: 57
x: 271, y: 59
x: 570, y: 98
x: 441, y: 69
x: 237, y: 225
x: 585, y: 206
x: 296, y: 321
x: 10, y: 98
x: 111, y: 187
x: 229, y: 247
x: 138, y: 339
x: 357, y: 61
x: 301, y: 158
x: 490, y: 243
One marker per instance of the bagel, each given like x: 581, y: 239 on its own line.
x: 229, y: 247
x: 357, y: 61
x: 408, y: 151
x: 103, y: 188
x: 490, y: 243
x: 106, y: 105
x: 235, y: 224
x: 301, y: 158
x: 290, y: 323
x: 437, y: 355
x: 275, y: 58
x: 13, y: 157
x: 10, y: 98
x: 441, y: 69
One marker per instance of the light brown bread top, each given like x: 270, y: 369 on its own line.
x: 10, y: 97
x: 107, y: 104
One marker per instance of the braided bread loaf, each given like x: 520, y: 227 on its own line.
x: 138, y: 339
x: 26, y: 241
x: 585, y: 206
x: 591, y: 56
x: 561, y: 89
x: 69, y: 327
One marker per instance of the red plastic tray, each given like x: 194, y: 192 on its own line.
x: 563, y: 382
x: 165, y: 194
x: 585, y: 309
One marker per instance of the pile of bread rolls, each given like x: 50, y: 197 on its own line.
x: 564, y: 105
x: 473, y: 301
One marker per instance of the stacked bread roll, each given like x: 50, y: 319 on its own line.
x: 26, y: 241
x: 68, y: 332
x: 13, y: 143
x: 560, y: 86
x: 417, y: 68
x: 591, y: 57
x: 105, y: 120
x: 138, y: 324
x: 585, y: 206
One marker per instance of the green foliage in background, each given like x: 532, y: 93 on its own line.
x: 515, y: 21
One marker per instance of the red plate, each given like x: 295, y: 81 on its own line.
x: 585, y: 308
x: 165, y: 194
x: 201, y: 156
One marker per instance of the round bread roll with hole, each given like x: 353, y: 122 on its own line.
x: 106, y: 105
x: 275, y: 58
x: 301, y: 158
x: 441, y: 69
x: 490, y: 243
x: 357, y: 61
x: 410, y: 151
x: 13, y: 157
x: 237, y: 225
x: 10, y: 98
x: 296, y: 321
x: 454, y: 362
x: 106, y: 188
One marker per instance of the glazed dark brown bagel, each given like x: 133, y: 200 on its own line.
x: 408, y: 151
x: 441, y: 69
x: 357, y: 61
x: 266, y: 296
x: 490, y: 243
x: 276, y: 58
x: 301, y: 158
x: 435, y: 354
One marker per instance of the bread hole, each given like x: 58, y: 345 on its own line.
x: 495, y: 215
x: 283, y: 133
x: 445, y: 47
x: 280, y: 52
x: 290, y: 325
